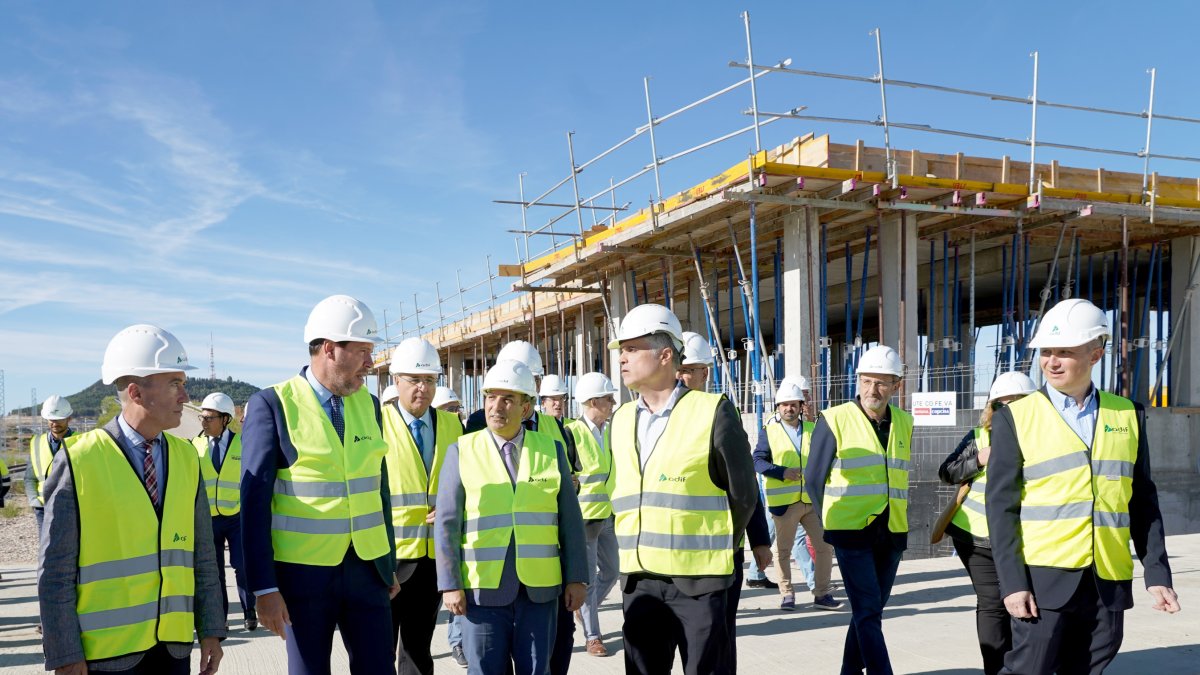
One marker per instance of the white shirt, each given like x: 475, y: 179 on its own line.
x: 651, y: 425
x: 597, y: 431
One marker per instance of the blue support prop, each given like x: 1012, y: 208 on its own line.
x: 849, y: 358
x: 755, y: 332
x: 1104, y: 306
x: 825, y: 309
x: 633, y: 285
x: 1144, y: 321
x: 779, y: 356
x: 1158, y: 319
x: 1002, y: 328
x: 945, y: 360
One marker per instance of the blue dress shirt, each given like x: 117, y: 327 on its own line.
x: 1081, y: 419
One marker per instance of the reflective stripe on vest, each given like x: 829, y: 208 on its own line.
x: 670, y: 517
x: 595, y: 472
x: 865, y: 479
x: 135, y: 584
x: 329, y: 497
x: 971, y: 516
x: 40, y: 459
x: 225, y: 489
x: 413, y: 491
x: 1075, y: 502
x: 498, y: 513
x: 783, y: 453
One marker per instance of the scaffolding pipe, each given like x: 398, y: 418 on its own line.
x: 887, y: 139
x: 1149, y: 126
x: 653, y: 145
x: 1184, y: 306
x: 1144, y: 321
x: 1033, y: 128
x: 824, y: 277
x: 753, y: 84
x: 1159, y: 343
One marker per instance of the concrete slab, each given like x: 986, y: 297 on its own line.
x: 929, y: 623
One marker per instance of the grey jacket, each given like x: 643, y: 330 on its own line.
x: 58, y: 568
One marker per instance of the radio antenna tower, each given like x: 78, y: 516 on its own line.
x: 212, y: 361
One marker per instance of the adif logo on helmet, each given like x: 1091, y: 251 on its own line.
x: 1055, y: 330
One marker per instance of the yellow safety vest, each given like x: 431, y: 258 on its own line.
x: 1075, y: 502
x: 414, y: 492
x: 595, y: 473
x: 783, y: 453
x: 225, y: 488
x: 671, y: 519
x: 497, y: 512
x: 40, y: 459
x: 866, y: 479
x: 329, y: 497
x: 136, y: 585
x: 971, y: 516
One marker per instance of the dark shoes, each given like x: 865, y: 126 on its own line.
x: 459, y: 657
x: 788, y: 604
x: 251, y: 620
x: 762, y: 583
x: 827, y: 602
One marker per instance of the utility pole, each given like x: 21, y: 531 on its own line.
x: 212, y: 360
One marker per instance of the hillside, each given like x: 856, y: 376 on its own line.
x: 87, y: 402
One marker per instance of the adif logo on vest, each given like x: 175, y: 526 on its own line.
x: 674, y: 479
x: 359, y: 439
x: 179, y: 538
x: 533, y: 479
x: 1115, y: 430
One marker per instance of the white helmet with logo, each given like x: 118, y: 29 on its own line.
x: 510, y: 375
x: 553, y: 385
x: 56, y: 408
x: 881, y: 360
x: 593, y: 385
x: 520, y: 350
x: 648, y: 319
x: 1070, y: 323
x: 219, y: 402
x: 696, y: 350
x: 1013, y: 383
x: 142, y: 350
x: 389, y: 394
x: 415, y: 356
x: 444, y: 395
x: 341, y: 318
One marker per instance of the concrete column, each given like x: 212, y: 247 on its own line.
x: 897, y: 255
x: 1184, y: 387
x: 583, y: 342
x: 695, y: 306
x: 801, y: 274
x: 456, y: 364
x: 618, y: 305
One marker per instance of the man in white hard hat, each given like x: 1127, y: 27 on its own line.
x: 446, y: 399
x: 220, y: 451
x: 683, y: 495
x: 697, y: 360
x: 857, y: 477
x: 418, y: 436
x: 316, y: 506
x: 509, y: 534
x: 43, y: 448
x: 1068, y: 489
x: 781, y: 456
x: 389, y: 395
x: 597, y: 396
x: 553, y: 394
x: 127, y: 572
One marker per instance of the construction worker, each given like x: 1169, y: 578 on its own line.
x: 446, y: 399
x: 220, y: 452
x: 967, y: 465
x: 509, y: 532
x: 857, y: 475
x: 597, y: 396
x: 697, y: 361
x: 389, y: 395
x: 5, y: 482
x: 804, y: 550
x: 417, y: 436
x: 127, y: 571
x: 1068, y: 489
x: 43, y: 448
x: 780, y: 457
x: 683, y: 495
x: 553, y: 393
x: 316, y: 506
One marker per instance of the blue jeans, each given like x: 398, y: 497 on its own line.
x: 868, y: 574
x: 604, y: 568
x: 454, y: 632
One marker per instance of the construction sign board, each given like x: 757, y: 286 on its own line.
x: 934, y: 409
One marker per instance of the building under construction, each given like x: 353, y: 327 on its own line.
x: 795, y: 259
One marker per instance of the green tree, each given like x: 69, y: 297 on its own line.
x: 109, y: 408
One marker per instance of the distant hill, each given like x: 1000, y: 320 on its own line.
x: 87, y: 402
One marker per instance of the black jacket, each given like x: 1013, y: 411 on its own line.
x: 962, y: 466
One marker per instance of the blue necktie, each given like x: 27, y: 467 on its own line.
x: 415, y: 427
x: 335, y: 416
x: 215, y: 451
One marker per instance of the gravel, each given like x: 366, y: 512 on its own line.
x: 18, y: 539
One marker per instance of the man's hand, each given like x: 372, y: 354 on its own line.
x: 273, y: 613
x: 575, y: 482
x: 210, y: 655
x: 77, y: 668
x: 793, y: 473
x: 762, y: 556
x: 394, y: 588
x: 573, y: 596
x: 1165, y: 599
x: 985, y: 453
x: 429, y: 516
x: 1021, y: 605
x: 455, y: 602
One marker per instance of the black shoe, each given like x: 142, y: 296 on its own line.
x: 761, y: 583
x: 459, y: 657
x: 251, y: 620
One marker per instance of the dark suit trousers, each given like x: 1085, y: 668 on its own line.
x: 659, y: 618
x: 414, y: 616
x: 350, y: 597
x: 229, y: 529
x: 992, y: 621
x: 155, y: 661
x: 733, y: 597
x: 868, y: 574
x: 564, y: 641
x: 513, y: 638
x: 1080, y: 637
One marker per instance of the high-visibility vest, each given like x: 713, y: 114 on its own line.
x: 329, y: 497
x: 40, y: 459
x: 595, y: 472
x: 783, y: 453
x: 135, y: 585
x: 671, y: 519
x: 5, y: 479
x: 865, y: 478
x: 1075, y: 503
x: 971, y: 517
x: 224, y: 488
x: 498, y: 512
x: 414, y: 492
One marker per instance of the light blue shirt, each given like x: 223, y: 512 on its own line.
x: 1082, y: 420
x: 427, y: 439
x: 795, y: 433
x: 324, y: 396
x: 651, y: 425
x: 132, y: 447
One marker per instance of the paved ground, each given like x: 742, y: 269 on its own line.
x: 929, y: 624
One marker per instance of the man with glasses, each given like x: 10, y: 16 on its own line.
x: 417, y: 435
x: 857, y: 478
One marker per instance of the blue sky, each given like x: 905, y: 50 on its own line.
x: 220, y: 167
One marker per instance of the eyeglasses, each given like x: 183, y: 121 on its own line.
x: 209, y: 418
x: 419, y: 381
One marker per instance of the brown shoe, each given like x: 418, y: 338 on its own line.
x: 596, y: 648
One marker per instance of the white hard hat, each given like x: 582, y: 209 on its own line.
x: 444, y: 395
x: 798, y: 380
x: 56, y: 408
x: 341, y: 318
x: 520, y: 350
x: 593, y: 385
x: 881, y: 360
x: 789, y: 391
x: 219, y: 402
x: 1070, y: 323
x: 646, y: 320
x: 415, y: 356
x: 142, y: 350
x: 510, y: 375
x: 1013, y: 383
x: 553, y: 385
x: 696, y: 350
x: 389, y: 394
